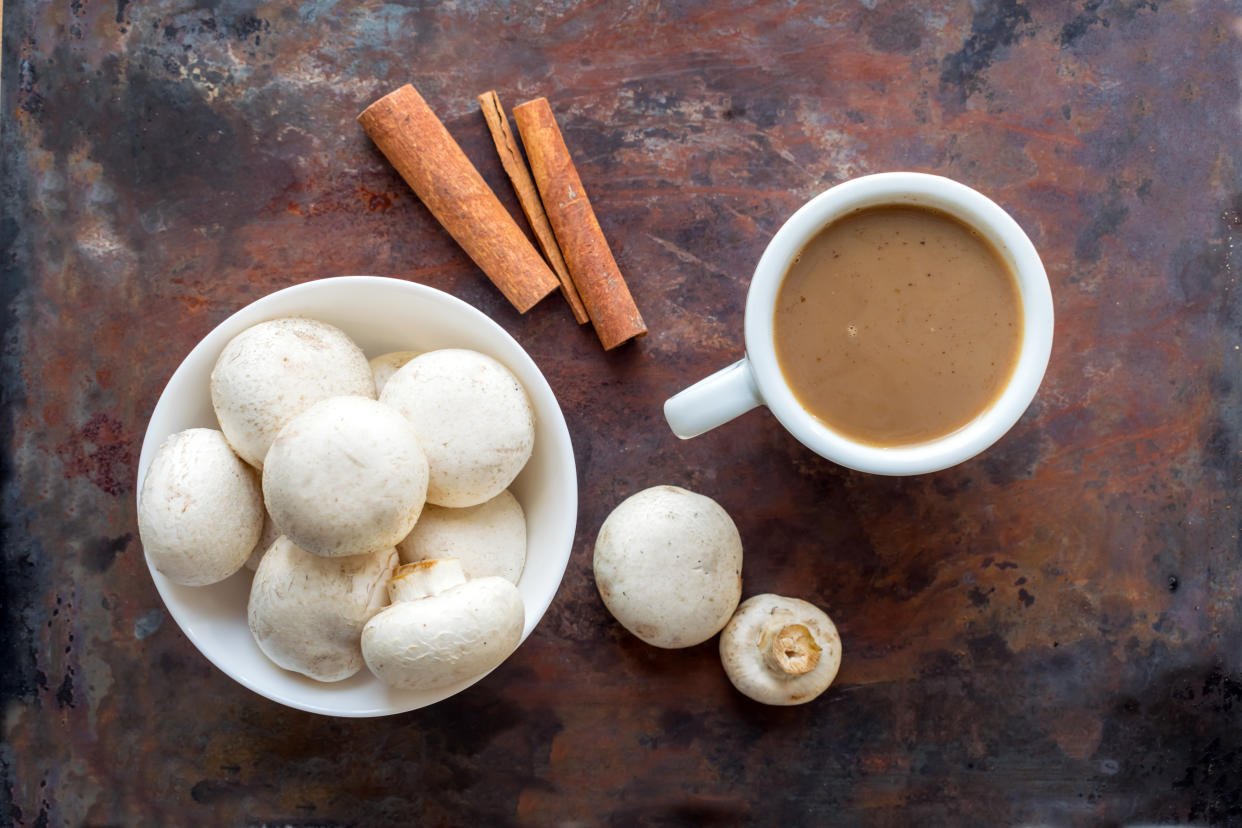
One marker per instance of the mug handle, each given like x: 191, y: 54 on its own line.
x: 713, y: 401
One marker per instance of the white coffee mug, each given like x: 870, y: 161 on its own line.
x: 757, y: 379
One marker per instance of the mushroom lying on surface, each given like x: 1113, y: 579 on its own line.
x: 668, y: 564
x: 385, y: 365
x: 779, y: 650
x: 473, y: 418
x: 201, y: 510
x: 307, y: 612
x: 441, y: 628
x: 275, y: 370
x: 345, y: 477
x: 488, y: 539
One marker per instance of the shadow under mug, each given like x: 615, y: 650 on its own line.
x: 757, y: 380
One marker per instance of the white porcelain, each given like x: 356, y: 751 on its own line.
x: 756, y: 379
x: 381, y: 315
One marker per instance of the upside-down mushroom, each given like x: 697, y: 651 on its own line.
x: 779, y: 650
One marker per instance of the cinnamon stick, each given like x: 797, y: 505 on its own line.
x: 591, y: 264
x: 528, y: 197
x: 418, y: 145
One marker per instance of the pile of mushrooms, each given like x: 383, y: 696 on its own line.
x: 369, y: 497
x: 668, y: 565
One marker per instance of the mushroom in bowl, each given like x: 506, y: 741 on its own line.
x: 380, y: 315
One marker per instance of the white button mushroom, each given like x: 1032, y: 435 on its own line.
x: 385, y: 365
x: 488, y: 539
x: 266, y: 538
x: 668, y: 564
x: 275, y: 370
x: 345, y: 477
x: 441, y: 628
x: 307, y: 612
x: 779, y: 650
x: 473, y: 418
x: 201, y: 510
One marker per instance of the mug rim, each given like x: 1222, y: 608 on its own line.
x: 965, y: 204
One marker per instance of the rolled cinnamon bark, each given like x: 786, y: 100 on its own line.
x: 414, y: 141
x: 528, y: 197
x: 594, y: 270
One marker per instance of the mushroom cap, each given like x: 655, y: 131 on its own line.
x: 345, y: 477
x: 668, y: 564
x: 473, y: 418
x: 201, y: 509
x: 275, y: 370
x: 266, y: 538
x: 488, y: 539
x: 307, y: 612
x: 779, y: 650
x: 385, y: 365
x: 440, y: 640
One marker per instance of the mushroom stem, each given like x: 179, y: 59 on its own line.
x: 789, y: 650
x: 425, y: 578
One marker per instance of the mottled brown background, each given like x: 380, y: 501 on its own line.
x: 1047, y: 633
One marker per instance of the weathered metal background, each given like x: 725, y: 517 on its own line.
x: 1049, y: 633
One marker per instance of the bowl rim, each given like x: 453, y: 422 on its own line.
x: 215, y: 340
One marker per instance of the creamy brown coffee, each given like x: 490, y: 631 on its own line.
x: 897, y: 324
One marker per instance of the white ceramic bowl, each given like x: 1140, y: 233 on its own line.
x: 381, y: 315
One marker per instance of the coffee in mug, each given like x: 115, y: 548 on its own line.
x: 897, y: 324
x: 865, y: 358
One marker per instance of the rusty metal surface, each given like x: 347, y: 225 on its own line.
x: 1048, y: 633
